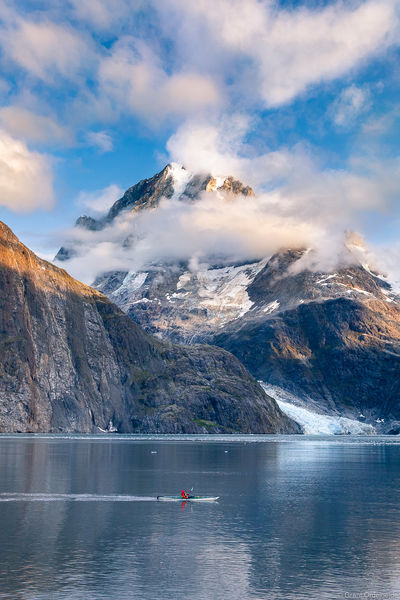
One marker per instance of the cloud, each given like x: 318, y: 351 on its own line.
x: 213, y: 228
x: 205, y: 67
x: 23, y: 123
x: 216, y: 226
x: 387, y: 261
x: 198, y: 59
x: 133, y: 78
x: 308, y: 208
x: 25, y: 176
x: 48, y: 50
x: 352, y: 102
x: 104, y: 14
x: 282, y: 53
x: 300, y: 203
x: 219, y: 148
x: 101, y: 140
x: 295, y: 179
x: 99, y: 201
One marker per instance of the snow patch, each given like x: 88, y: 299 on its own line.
x: 219, y: 181
x: 141, y: 300
x: 180, y: 177
x: 110, y: 428
x: 324, y: 279
x: 362, y: 291
x: 225, y: 289
x: 221, y: 291
x: 215, y: 184
x: 127, y: 290
x: 368, y: 268
x: 132, y: 282
x: 271, y: 307
x: 390, y: 296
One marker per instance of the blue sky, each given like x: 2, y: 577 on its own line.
x: 297, y: 98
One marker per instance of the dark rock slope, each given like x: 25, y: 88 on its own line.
x: 72, y: 361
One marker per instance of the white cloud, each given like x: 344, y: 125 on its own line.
x: 103, y: 14
x: 25, y: 124
x: 99, y: 201
x: 133, y: 78
x: 213, y: 226
x: 352, y: 102
x: 280, y: 53
x: 199, y: 57
x: 219, y: 148
x: 25, y: 176
x: 309, y: 207
x: 294, y: 177
x: 46, y: 49
x: 203, y: 62
x: 101, y: 140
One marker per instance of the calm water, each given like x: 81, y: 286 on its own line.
x: 297, y: 518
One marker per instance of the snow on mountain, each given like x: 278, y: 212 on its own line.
x: 131, y: 283
x: 180, y: 177
x: 183, y: 303
x: 221, y: 291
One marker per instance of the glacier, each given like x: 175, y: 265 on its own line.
x: 314, y: 423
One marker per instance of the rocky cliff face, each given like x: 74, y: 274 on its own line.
x: 72, y: 361
x: 331, y: 340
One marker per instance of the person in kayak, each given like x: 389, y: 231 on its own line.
x: 185, y: 495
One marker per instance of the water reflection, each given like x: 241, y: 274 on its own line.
x: 295, y: 520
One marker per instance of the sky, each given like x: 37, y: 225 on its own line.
x: 298, y: 99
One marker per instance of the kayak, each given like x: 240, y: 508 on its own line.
x: 191, y: 499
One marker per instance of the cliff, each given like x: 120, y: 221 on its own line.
x: 71, y: 361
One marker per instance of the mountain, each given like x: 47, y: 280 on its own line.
x: 330, y: 340
x: 173, y: 182
x: 72, y: 361
x: 327, y: 341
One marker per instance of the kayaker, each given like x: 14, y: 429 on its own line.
x: 184, y: 494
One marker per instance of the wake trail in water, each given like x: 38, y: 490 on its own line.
x: 23, y: 497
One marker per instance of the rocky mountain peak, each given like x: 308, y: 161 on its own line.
x: 88, y: 223
x: 173, y: 182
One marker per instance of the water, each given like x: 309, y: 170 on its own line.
x: 312, y: 518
